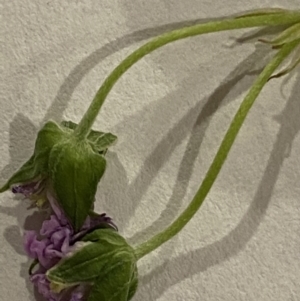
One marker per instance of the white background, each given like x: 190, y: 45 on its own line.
x: 170, y: 112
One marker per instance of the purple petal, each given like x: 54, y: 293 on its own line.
x: 28, y: 189
x: 61, y: 239
x: 35, y: 248
x: 52, y: 253
x: 66, y: 245
x: 50, y: 226
x: 43, y: 286
x: 58, y: 237
x: 29, y: 241
x: 40, y: 281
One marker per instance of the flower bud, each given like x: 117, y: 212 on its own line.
x: 57, y: 240
x: 70, y: 167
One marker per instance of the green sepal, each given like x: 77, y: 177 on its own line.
x: 293, y: 64
x: 99, y: 141
x: 106, y: 261
x: 75, y: 170
x: 37, y: 165
x: 69, y: 124
x: 27, y: 172
x: 50, y: 134
x: 291, y: 34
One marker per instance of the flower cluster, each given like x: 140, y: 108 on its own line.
x: 55, y: 240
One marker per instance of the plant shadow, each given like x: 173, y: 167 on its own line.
x: 177, y: 269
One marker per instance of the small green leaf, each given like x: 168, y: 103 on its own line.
x: 288, y: 69
x: 37, y: 165
x: 99, y: 141
x: 75, y: 170
x: 107, y: 262
x: 27, y: 172
x: 291, y: 34
x: 69, y: 124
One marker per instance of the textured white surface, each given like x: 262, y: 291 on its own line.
x: 170, y: 112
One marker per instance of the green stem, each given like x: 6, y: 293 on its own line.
x: 220, y: 157
x: 271, y: 19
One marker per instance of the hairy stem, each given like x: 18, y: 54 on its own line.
x: 270, y: 19
x: 220, y: 157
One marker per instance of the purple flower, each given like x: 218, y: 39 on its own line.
x: 55, y: 240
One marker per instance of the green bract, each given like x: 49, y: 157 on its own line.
x: 75, y: 170
x: 72, y: 166
x: 37, y: 165
x: 106, y: 262
x: 291, y: 34
x: 99, y: 141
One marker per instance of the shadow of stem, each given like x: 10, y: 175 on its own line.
x: 177, y: 269
x: 215, y: 100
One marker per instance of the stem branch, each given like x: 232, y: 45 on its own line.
x: 271, y: 19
